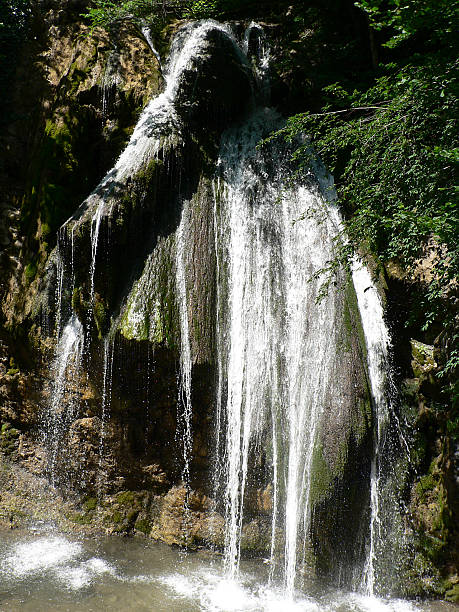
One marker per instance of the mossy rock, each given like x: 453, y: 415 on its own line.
x: 127, y: 499
x: 8, y: 438
x: 101, y: 316
x: 423, y: 361
x: 452, y: 594
x: 143, y: 525
x: 256, y: 537
x: 79, y: 518
x: 90, y: 504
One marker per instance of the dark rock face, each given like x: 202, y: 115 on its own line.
x: 76, y: 98
x: 218, y: 85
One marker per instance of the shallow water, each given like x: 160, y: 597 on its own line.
x: 44, y: 570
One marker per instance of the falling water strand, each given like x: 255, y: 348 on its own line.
x: 147, y: 34
x: 62, y: 407
x: 104, y: 411
x: 255, y: 47
x: 378, y: 344
x: 59, y: 289
x: 185, y: 418
x: 220, y: 353
x: 72, y: 258
x: 95, y: 229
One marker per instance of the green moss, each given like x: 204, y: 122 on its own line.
x: 116, y: 517
x: 30, y: 271
x: 143, y: 525
x: 321, y: 476
x: 425, y: 485
x: 151, y: 313
x: 90, y: 504
x: 131, y: 517
x: 45, y: 230
x: 8, y: 438
x: 452, y: 594
x: 79, y: 519
x: 126, y: 498
x: 421, y: 578
x: 101, y: 316
x: 79, y: 306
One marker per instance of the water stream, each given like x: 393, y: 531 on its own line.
x: 184, y: 405
x: 45, y: 571
x: 62, y: 407
x: 272, y: 333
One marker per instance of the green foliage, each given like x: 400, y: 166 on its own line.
x: 392, y: 147
x: 406, y: 19
x: 202, y: 9
x: 106, y: 13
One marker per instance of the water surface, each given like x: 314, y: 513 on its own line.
x: 44, y: 570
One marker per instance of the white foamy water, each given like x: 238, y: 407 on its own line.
x: 40, y: 555
x: 62, y: 560
x: 218, y: 593
x: 43, y: 573
x: 82, y: 575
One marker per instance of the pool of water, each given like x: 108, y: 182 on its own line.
x: 44, y: 570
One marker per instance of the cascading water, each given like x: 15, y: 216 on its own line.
x: 63, y: 405
x: 148, y: 38
x: 377, y: 342
x: 157, y: 122
x: 278, y: 344
x: 185, y: 356
x: 383, y: 498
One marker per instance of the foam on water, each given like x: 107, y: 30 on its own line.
x: 82, y: 575
x: 40, y: 555
x: 60, y: 558
x: 218, y: 593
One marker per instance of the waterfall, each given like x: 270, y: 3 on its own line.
x: 290, y: 379
x: 63, y: 403
x: 157, y: 125
x: 185, y: 417
x: 278, y: 344
x: 378, y: 343
x: 384, y: 527
x: 146, y: 32
x: 105, y: 405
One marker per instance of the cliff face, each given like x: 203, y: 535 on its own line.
x: 77, y: 98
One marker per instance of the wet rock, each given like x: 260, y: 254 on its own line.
x: 218, y: 85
